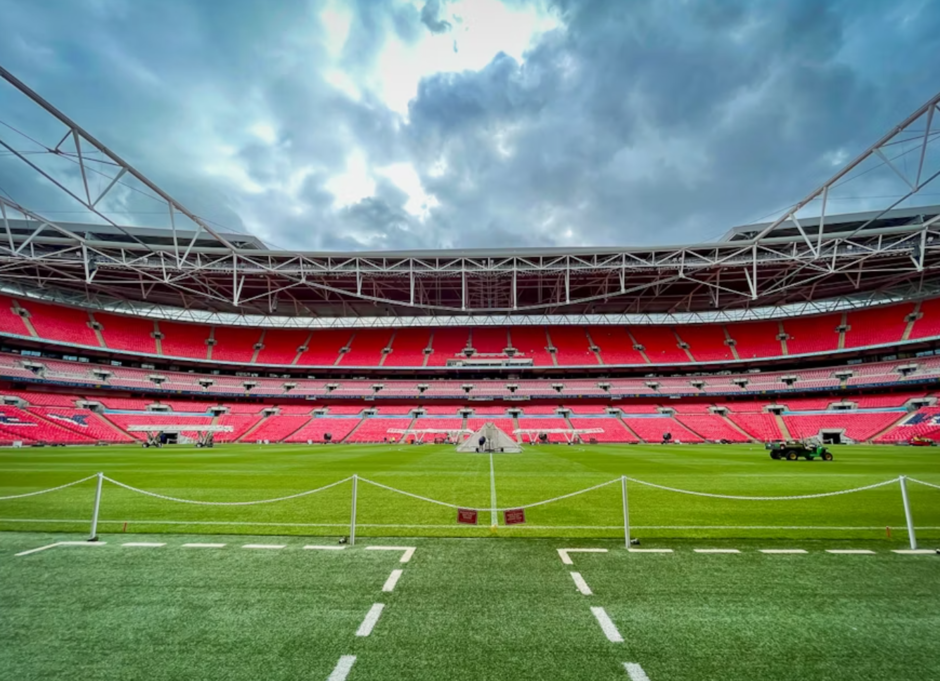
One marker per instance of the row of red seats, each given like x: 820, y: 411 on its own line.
x: 574, y: 345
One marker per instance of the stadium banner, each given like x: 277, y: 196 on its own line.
x: 515, y: 516
x: 467, y: 516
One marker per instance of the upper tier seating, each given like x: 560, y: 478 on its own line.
x: 447, y: 344
x: 531, y: 342
x: 408, y: 348
x: 366, y: 347
x: 662, y: 344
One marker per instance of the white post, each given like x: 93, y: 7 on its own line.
x: 352, y: 520
x: 626, y: 512
x: 907, y: 513
x: 93, y: 535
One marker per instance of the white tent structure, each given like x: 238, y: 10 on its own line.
x: 492, y: 439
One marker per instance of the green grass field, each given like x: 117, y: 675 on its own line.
x: 469, y: 603
x: 236, y: 473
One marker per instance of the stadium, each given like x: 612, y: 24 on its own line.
x: 199, y: 407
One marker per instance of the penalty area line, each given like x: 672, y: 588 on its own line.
x: 635, y: 672
x: 607, y: 625
x: 342, y: 668
x: 409, y: 551
x: 566, y: 559
x: 60, y: 543
x: 581, y: 584
x: 392, y: 580
x: 372, y: 617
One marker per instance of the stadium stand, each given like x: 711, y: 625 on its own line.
x: 83, y: 422
x: 754, y: 340
x: 315, y: 430
x: 616, y: 345
x: 447, y: 344
x: 531, y: 343
x: 572, y: 347
x: 324, y: 348
x: 711, y: 427
x: 488, y: 340
x: 614, y: 430
x: 812, y: 334
x: 375, y: 429
x: 366, y: 346
x: 653, y: 429
x: 276, y: 428
x: 126, y: 333
x: 60, y: 323
x: 184, y: 340
x: 281, y: 346
x: 660, y: 344
x: 877, y: 325
x: 408, y: 347
x: 234, y: 344
x: 855, y: 426
x: 536, y: 423
x: 762, y: 427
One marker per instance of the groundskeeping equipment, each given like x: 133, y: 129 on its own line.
x: 791, y: 451
x: 489, y: 439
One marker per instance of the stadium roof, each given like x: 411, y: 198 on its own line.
x: 806, y: 257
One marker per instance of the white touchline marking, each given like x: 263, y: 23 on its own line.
x: 409, y: 551
x: 264, y: 546
x: 41, y: 548
x: 714, y: 551
x: 607, y: 625
x: 371, y: 618
x: 144, y: 544
x: 914, y: 552
x: 330, y: 547
x: 203, y: 546
x: 581, y: 584
x: 566, y: 559
x: 392, y: 580
x: 341, y: 670
x: 851, y: 551
x: 61, y: 543
x: 635, y: 672
x: 783, y: 550
x: 649, y: 550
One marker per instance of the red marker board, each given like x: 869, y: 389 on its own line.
x: 514, y: 516
x: 467, y: 516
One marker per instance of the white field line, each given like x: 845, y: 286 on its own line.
x: 860, y: 552
x: 326, y: 547
x: 84, y: 521
x: 914, y: 552
x: 581, y: 584
x: 263, y: 546
x: 144, y: 544
x: 783, y: 550
x: 607, y: 625
x: 649, y: 550
x: 635, y: 672
x: 392, y: 580
x: 203, y: 546
x: 409, y: 551
x: 61, y: 543
x: 714, y: 551
x: 342, y: 668
x: 368, y: 624
x: 494, y: 516
x: 566, y: 559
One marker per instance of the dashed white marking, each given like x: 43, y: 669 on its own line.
x: 144, y: 544
x: 392, y: 580
x: 409, y: 551
x: 264, y: 546
x: 713, y: 551
x: 635, y: 672
x: 368, y: 624
x: 650, y: 550
x: 581, y: 584
x: 203, y: 546
x: 914, y: 552
x: 342, y: 668
x: 783, y: 550
x: 566, y: 559
x: 865, y: 552
x: 607, y: 625
x: 328, y: 547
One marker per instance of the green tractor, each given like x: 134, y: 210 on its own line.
x: 792, y: 450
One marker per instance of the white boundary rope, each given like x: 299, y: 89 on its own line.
x: 226, y: 503
x: 789, y: 498
x: 418, y: 496
x: 51, y: 489
x: 921, y: 482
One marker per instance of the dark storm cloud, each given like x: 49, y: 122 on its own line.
x: 631, y: 123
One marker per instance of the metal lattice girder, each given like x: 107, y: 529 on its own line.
x: 805, y: 257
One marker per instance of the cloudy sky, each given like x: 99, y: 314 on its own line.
x: 374, y: 124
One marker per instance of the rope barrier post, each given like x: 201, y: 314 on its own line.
x: 907, y: 513
x: 352, y: 520
x: 626, y: 512
x: 93, y: 535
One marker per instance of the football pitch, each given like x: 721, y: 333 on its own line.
x: 717, y: 588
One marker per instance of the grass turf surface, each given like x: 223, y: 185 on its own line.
x: 249, y: 472
x: 463, y: 609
